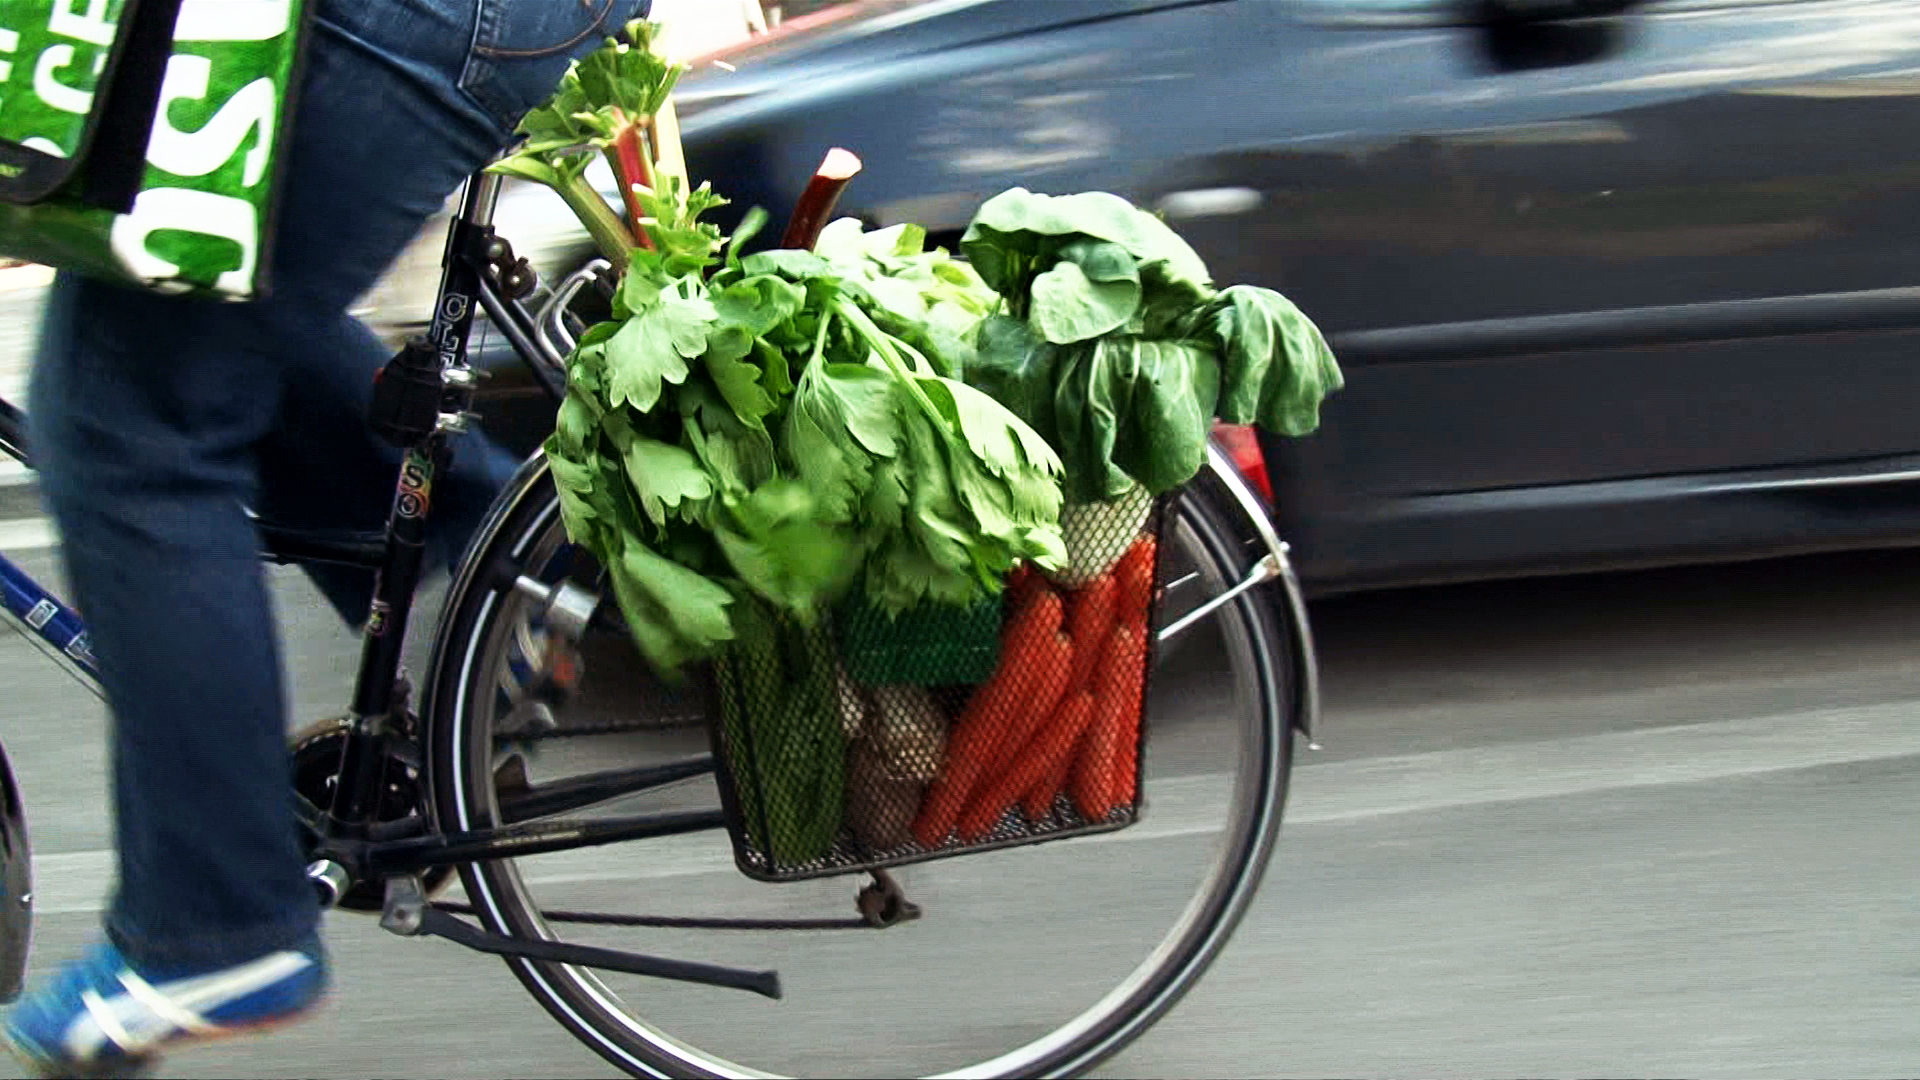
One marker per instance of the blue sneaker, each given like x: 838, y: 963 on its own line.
x: 97, y: 1017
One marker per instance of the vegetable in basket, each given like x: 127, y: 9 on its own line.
x: 1114, y: 344
x: 780, y: 715
x: 894, y: 751
x: 786, y: 423
x: 754, y: 438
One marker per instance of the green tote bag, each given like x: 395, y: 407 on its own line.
x: 140, y: 139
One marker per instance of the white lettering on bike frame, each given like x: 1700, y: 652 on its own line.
x: 42, y: 614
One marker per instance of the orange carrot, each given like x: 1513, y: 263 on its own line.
x: 1094, y: 784
x: 1052, y: 666
x: 1051, y: 746
x: 1130, y: 691
x: 975, y: 737
x: 1037, y: 803
x: 1023, y: 583
x: 1135, y: 574
x: 1089, y: 621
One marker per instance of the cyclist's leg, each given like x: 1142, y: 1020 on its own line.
x: 318, y: 468
x: 318, y: 465
x: 143, y: 410
x: 149, y: 413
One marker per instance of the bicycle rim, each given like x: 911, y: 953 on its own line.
x: 618, y: 1017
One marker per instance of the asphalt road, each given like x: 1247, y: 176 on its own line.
x: 1650, y: 824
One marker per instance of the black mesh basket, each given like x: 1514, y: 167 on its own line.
x: 872, y: 741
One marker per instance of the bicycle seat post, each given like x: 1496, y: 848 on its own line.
x: 421, y: 398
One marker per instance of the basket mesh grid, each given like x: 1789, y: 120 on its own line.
x: 872, y: 740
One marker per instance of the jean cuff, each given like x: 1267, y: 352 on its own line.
x: 158, y: 958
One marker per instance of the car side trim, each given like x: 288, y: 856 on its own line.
x: 1669, y: 324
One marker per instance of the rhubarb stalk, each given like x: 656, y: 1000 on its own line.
x: 817, y: 202
x: 629, y: 160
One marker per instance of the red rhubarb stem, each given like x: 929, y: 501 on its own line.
x: 817, y: 202
x: 630, y: 162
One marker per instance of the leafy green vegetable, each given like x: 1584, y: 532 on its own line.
x: 606, y: 102
x: 1115, y: 346
x: 652, y: 349
x: 1092, y: 290
x: 1253, y: 329
x: 1018, y: 235
x: 783, y: 426
x: 927, y: 299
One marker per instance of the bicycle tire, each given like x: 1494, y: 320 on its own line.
x: 461, y: 786
x: 16, y: 885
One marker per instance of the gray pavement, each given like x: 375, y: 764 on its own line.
x: 21, y: 293
x: 1650, y: 824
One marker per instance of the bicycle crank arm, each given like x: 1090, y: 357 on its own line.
x: 438, y: 923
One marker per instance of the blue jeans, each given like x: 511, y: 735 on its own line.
x: 158, y: 420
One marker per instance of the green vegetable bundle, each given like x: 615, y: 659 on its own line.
x: 786, y: 424
x: 780, y: 717
x: 1115, y: 346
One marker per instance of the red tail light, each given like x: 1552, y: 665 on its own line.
x: 1241, y: 445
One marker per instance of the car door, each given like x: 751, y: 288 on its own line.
x: 1605, y: 290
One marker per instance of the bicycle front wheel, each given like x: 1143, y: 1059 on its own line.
x: 1030, y: 961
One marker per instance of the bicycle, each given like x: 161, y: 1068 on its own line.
x: 397, y: 798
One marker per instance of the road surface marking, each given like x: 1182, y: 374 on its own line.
x: 1368, y: 788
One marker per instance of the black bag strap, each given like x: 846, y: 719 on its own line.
x: 109, y: 163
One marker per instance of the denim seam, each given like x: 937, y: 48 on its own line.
x: 599, y: 21
x: 479, y: 69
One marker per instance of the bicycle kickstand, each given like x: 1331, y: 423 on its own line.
x: 408, y: 914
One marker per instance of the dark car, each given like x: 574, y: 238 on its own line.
x: 1611, y: 283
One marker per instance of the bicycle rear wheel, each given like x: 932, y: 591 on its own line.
x: 1032, y: 961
